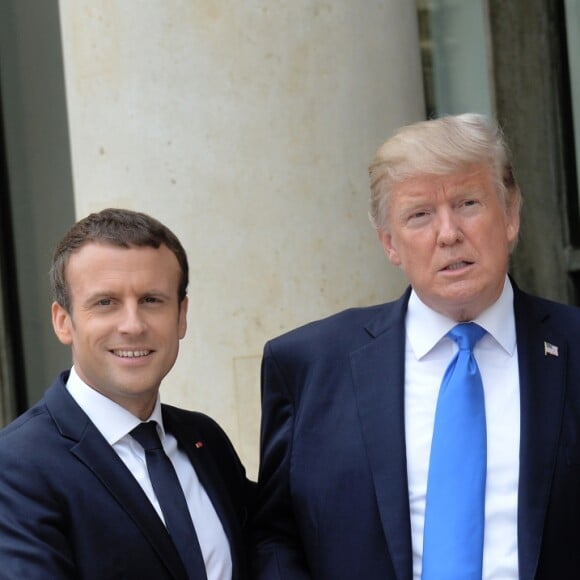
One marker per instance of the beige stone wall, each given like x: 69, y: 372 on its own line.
x: 247, y: 127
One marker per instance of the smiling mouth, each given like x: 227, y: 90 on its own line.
x: 131, y: 353
x: 457, y: 265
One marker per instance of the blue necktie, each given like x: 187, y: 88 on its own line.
x: 171, y: 499
x: 455, y: 505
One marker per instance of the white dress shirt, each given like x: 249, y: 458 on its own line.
x: 115, y: 423
x: 428, y: 352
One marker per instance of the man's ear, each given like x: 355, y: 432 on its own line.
x: 62, y: 323
x: 512, y: 226
x: 389, y: 247
x: 183, y: 317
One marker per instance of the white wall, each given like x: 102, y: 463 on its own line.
x: 247, y: 127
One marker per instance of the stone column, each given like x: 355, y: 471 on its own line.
x: 247, y: 127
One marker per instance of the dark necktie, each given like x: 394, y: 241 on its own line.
x: 171, y: 499
x: 455, y: 505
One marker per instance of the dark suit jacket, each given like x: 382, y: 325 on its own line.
x: 333, y: 498
x: 69, y: 507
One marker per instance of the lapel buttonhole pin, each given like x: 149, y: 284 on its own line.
x: 550, y: 349
x: 199, y: 444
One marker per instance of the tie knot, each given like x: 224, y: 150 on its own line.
x: 466, y: 335
x: 146, y: 435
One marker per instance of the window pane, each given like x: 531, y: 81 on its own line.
x: 454, y: 49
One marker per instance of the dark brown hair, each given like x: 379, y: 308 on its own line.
x: 117, y: 227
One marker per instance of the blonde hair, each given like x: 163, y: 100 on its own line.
x: 438, y: 147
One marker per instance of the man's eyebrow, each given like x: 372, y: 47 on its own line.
x: 97, y: 295
x: 155, y: 292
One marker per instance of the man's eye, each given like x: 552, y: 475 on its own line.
x: 418, y: 216
x: 151, y: 300
x: 104, y: 302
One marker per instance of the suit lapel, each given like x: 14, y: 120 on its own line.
x: 203, y: 463
x: 542, y: 390
x: 99, y: 457
x: 378, y: 378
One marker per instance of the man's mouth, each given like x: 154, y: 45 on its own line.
x: 458, y: 265
x: 131, y: 353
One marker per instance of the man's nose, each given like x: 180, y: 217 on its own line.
x: 131, y: 320
x: 449, y: 228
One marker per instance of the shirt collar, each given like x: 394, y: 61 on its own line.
x: 425, y: 327
x: 113, y: 421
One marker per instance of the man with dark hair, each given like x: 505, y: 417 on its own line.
x: 99, y: 479
x: 436, y: 436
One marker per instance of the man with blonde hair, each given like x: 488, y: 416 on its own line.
x: 436, y: 436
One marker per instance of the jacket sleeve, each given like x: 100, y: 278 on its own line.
x: 33, y: 531
x: 279, y: 552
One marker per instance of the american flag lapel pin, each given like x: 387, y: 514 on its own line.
x: 550, y: 349
x: 199, y: 444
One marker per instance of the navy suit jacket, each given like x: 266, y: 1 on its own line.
x: 333, y: 496
x: 70, y: 508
